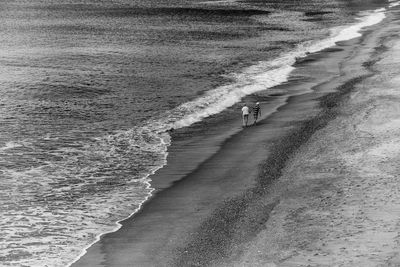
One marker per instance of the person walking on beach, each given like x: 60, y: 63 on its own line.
x: 256, y: 112
x: 245, y: 115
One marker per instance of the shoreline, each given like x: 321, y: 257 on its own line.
x: 249, y: 184
x: 337, y: 197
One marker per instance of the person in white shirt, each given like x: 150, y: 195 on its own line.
x: 245, y: 115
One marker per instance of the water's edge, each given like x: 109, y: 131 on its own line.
x: 281, y: 67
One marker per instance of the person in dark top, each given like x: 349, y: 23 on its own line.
x: 256, y: 112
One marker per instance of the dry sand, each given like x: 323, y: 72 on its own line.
x: 339, y: 202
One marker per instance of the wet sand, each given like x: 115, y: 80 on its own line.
x: 226, y: 200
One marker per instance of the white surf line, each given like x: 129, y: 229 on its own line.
x: 346, y: 33
x: 393, y: 3
x: 268, y: 74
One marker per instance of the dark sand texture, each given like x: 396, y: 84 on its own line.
x: 214, y: 214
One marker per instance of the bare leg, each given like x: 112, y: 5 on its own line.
x: 245, y: 120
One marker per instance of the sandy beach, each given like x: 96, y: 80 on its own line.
x: 340, y: 205
x: 314, y: 184
x: 122, y: 144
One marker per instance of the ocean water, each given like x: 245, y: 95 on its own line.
x: 90, y: 89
